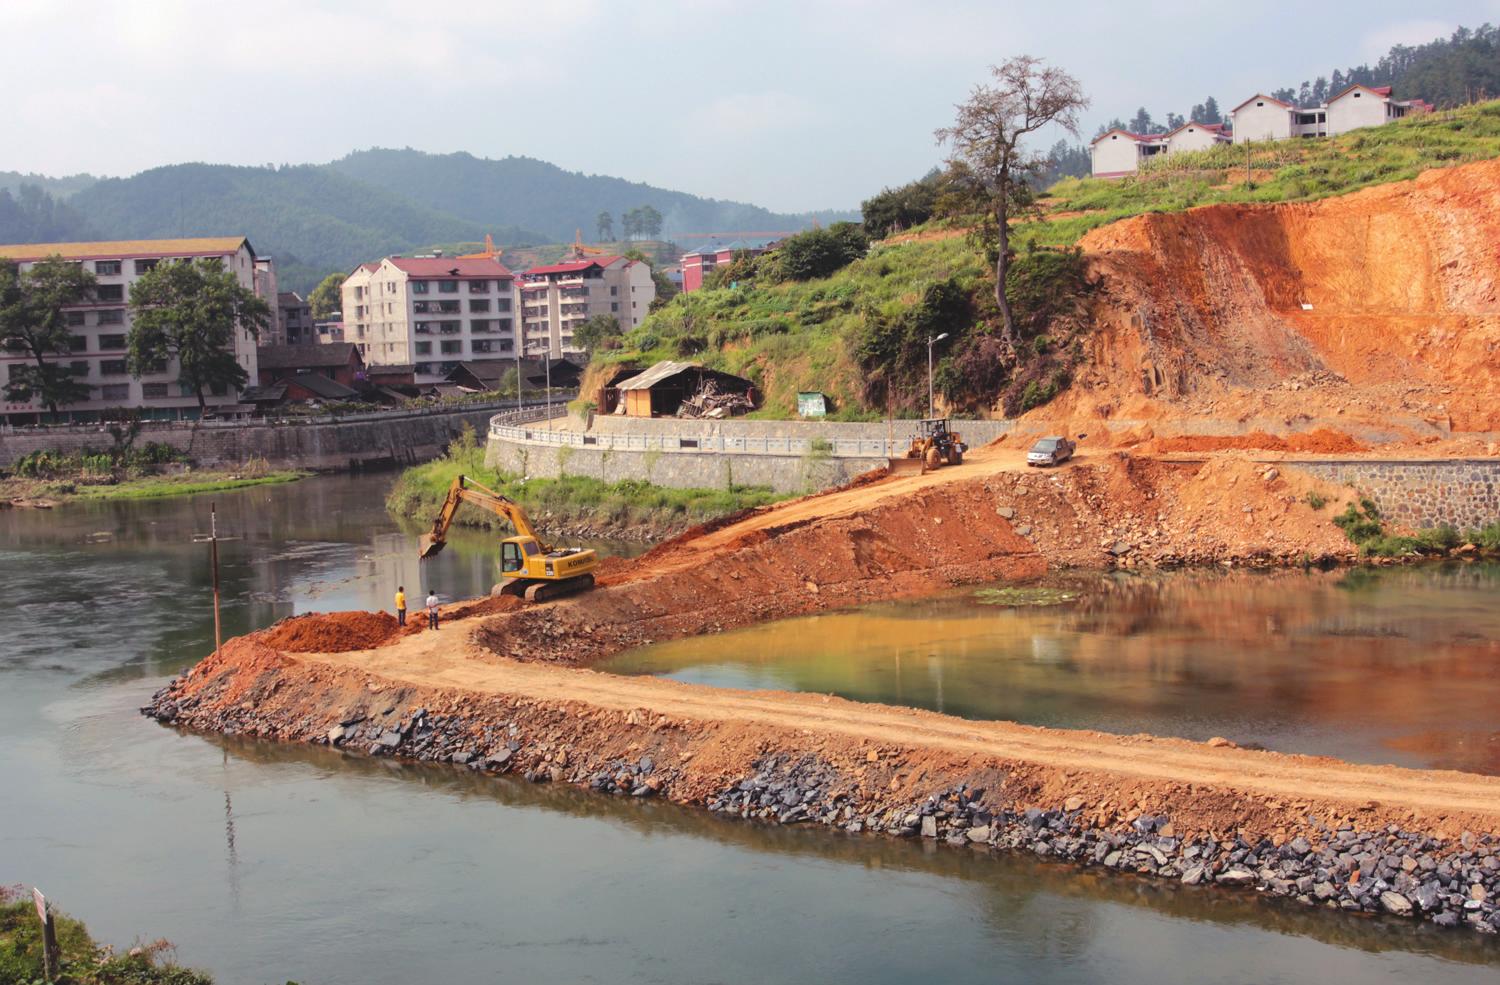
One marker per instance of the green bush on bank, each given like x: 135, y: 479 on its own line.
x: 420, y: 491
x: 84, y: 961
x: 1362, y: 524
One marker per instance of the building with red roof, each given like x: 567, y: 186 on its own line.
x: 431, y: 312
x: 1262, y: 118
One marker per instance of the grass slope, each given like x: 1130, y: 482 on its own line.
x: 803, y: 335
x: 628, y: 506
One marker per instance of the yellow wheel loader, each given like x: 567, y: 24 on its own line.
x: 528, y: 567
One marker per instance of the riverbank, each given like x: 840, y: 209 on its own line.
x: 49, y: 493
x: 83, y: 960
x: 1358, y: 838
x: 503, y: 691
x: 569, y: 506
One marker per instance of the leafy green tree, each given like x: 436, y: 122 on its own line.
x: 1211, y: 112
x: 650, y: 222
x: 189, y: 311
x: 606, y: 226
x: 817, y: 252
x: 895, y: 209
x: 988, y: 165
x: 328, y: 297
x: 630, y: 222
x: 32, y: 322
x: 1142, y: 122
x: 592, y: 333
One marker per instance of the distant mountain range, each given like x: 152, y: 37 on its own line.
x: 319, y: 218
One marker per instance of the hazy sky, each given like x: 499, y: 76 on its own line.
x: 791, y: 105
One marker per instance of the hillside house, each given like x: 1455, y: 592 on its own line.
x: 1262, y: 118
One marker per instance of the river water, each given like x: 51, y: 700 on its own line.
x: 266, y: 862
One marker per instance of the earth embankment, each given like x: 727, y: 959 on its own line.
x: 1374, y: 308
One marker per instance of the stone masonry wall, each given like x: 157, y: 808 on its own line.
x: 1420, y: 495
x: 678, y: 470
x: 320, y: 446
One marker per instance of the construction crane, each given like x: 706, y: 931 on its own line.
x: 579, y: 250
x: 488, y: 253
x: 528, y: 568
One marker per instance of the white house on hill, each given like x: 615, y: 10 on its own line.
x: 1261, y: 117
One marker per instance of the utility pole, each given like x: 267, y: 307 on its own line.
x: 213, y: 553
x: 931, y: 341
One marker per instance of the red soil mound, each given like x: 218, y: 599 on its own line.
x: 330, y: 632
x: 1321, y: 440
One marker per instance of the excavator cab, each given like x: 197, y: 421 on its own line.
x: 528, y: 567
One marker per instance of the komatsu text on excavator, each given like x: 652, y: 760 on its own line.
x: 528, y: 567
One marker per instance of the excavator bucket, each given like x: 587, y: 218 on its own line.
x: 904, y: 466
x: 429, y: 545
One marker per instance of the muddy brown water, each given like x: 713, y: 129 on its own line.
x: 265, y: 862
x: 1390, y: 665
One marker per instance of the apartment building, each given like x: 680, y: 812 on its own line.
x: 557, y: 298
x: 1117, y: 153
x: 101, y: 327
x: 294, y: 321
x: 698, y: 265
x: 431, y: 312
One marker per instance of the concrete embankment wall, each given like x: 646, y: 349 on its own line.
x: 319, y: 445
x: 788, y: 456
x: 1459, y: 493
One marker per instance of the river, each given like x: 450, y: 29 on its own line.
x: 265, y: 862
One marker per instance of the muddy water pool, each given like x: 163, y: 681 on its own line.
x: 1387, y: 665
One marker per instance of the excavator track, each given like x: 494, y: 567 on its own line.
x: 546, y: 591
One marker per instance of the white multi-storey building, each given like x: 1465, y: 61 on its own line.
x: 430, y: 312
x: 100, y: 327
x: 557, y: 298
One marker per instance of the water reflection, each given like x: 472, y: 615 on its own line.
x: 266, y: 862
x: 1390, y: 665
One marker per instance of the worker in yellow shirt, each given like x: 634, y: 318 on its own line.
x: 401, y: 604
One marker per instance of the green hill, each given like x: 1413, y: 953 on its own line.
x: 860, y: 333
x: 304, y: 215
x: 532, y: 194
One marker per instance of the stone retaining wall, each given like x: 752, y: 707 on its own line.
x: 678, y: 470
x: 670, y: 453
x: 329, y: 445
x: 1459, y: 493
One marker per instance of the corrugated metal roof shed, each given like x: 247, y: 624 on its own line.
x: 654, y: 375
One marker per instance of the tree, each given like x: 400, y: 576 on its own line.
x: 818, y: 252
x: 1141, y: 122
x: 32, y: 322
x: 327, y: 299
x: 895, y: 209
x: 630, y: 222
x: 189, y: 311
x: 606, y: 226
x: 1211, y: 112
x: 650, y: 222
x: 987, y: 162
x: 595, y: 331
x: 1174, y: 120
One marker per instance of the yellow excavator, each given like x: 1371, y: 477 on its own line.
x: 528, y: 567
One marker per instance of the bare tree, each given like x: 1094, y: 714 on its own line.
x: 986, y: 159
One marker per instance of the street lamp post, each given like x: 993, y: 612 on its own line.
x: 931, y: 341
x: 547, y: 368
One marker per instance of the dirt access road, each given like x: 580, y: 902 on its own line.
x: 451, y: 660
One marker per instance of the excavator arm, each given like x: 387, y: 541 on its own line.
x: 466, y: 490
